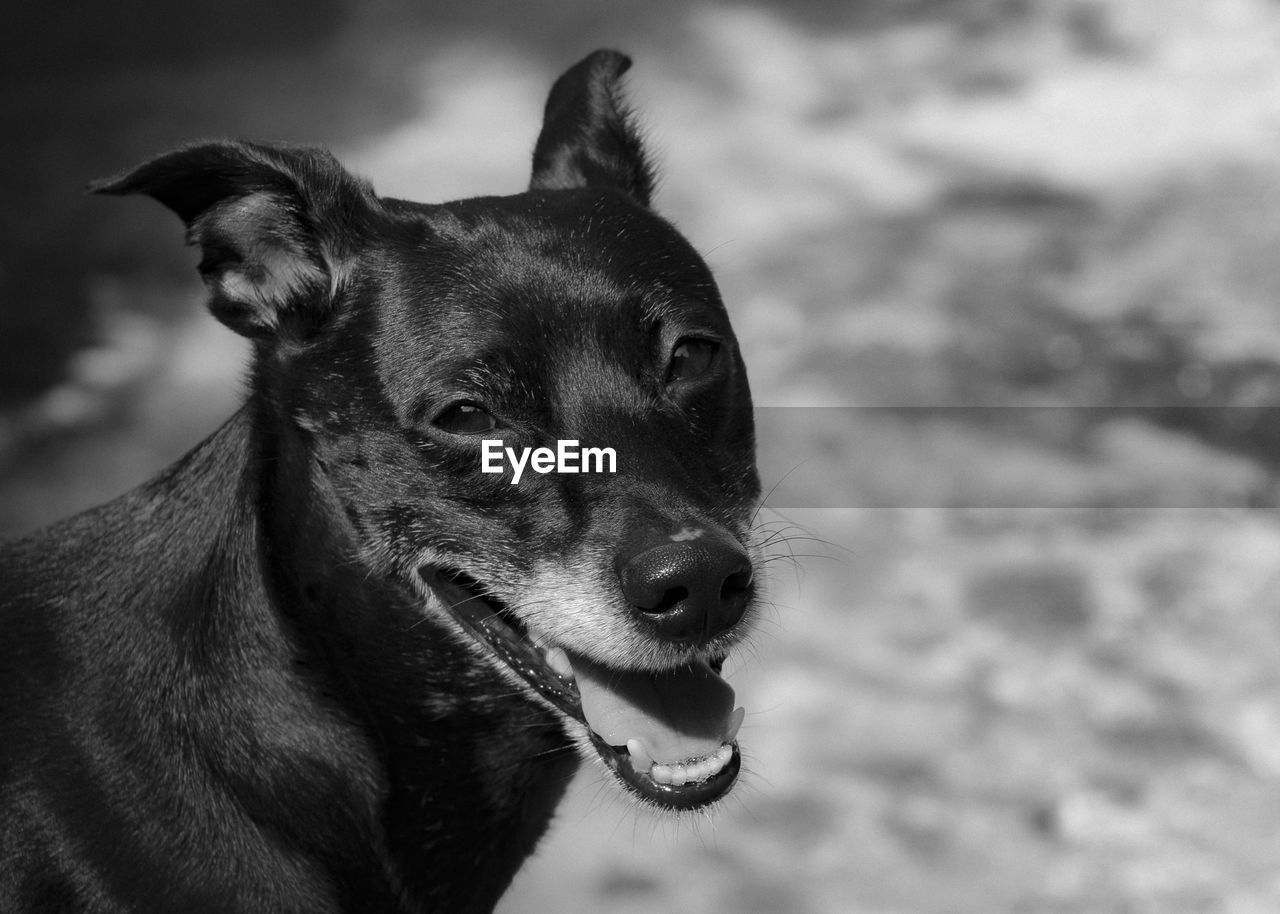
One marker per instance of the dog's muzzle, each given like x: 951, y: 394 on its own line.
x: 669, y: 735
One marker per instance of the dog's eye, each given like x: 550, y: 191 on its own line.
x: 465, y: 419
x: 691, y: 358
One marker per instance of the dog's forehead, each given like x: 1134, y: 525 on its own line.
x: 583, y: 240
x: 497, y: 291
x: 558, y: 258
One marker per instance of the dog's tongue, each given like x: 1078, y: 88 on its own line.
x: 677, y: 715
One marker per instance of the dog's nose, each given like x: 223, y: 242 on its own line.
x: 689, y: 590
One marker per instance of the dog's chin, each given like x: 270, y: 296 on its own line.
x: 687, y: 762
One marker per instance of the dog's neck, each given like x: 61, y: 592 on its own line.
x: 367, y: 763
x: 466, y: 784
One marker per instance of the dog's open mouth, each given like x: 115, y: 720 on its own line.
x: 669, y: 736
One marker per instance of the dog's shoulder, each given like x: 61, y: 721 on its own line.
x: 122, y: 547
x: 77, y: 596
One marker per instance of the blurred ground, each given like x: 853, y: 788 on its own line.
x: 1004, y: 272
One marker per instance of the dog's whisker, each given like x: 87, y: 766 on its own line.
x: 773, y: 488
x: 795, y: 557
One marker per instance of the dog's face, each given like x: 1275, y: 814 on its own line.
x: 406, y: 346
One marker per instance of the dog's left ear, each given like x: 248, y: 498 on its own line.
x: 275, y: 225
x: 588, y: 138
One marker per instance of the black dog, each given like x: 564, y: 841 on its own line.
x: 325, y: 662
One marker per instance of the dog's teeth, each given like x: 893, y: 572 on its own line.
x: 558, y: 660
x: 641, y: 760
x: 735, y: 724
x: 677, y: 774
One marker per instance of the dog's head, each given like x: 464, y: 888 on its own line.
x: 403, y: 349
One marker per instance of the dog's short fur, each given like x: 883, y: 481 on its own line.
x: 305, y: 668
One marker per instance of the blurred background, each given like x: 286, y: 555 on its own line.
x: 1005, y: 272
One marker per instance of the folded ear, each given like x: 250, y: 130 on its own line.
x: 588, y: 137
x: 275, y: 226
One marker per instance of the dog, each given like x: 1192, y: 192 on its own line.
x: 327, y: 661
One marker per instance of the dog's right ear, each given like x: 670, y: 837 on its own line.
x: 275, y: 226
x: 588, y: 136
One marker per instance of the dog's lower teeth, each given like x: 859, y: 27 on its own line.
x: 735, y: 723
x: 641, y: 761
x: 690, y: 772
